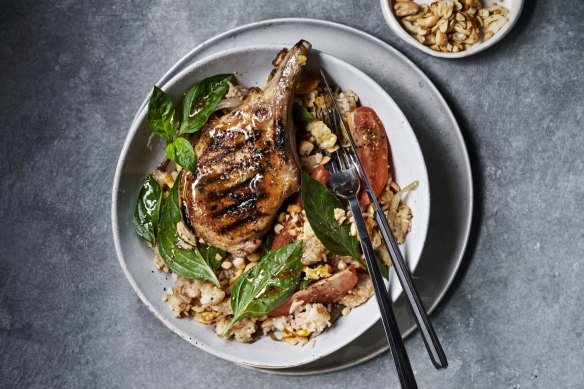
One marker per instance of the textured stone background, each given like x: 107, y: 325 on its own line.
x: 74, y: 72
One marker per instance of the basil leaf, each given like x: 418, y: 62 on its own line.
x: 266, y: 285
x: 209, y: 254
x: 268, y: 239
x: 204, y: 95
x: 181, y: 151
x: 186, y: 263
x: 147, y: 211
x: 301, y: 114
x: 161, y: 114
x: 383, y: 268
x: 320, y: 205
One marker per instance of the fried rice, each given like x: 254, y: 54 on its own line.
x: 209, y: 305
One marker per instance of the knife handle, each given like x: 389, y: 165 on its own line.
x: 429, y: 336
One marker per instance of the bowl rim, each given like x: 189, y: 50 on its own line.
x: 133, y: 130
x: 396, y: 27
x: 233, y: 35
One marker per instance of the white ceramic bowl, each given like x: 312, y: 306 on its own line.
x: 142, y: 153
x: 514, y: 7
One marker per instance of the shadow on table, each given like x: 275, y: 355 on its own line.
x: 477, y: 165
x: 477, y: 168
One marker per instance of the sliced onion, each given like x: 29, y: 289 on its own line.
x: 397, y: 197
x: 228, y: 104
x: 272, y: 335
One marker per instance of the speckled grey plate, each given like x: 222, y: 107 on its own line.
x: 440, y: 140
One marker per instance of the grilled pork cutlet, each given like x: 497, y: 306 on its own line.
x: 248, y: 163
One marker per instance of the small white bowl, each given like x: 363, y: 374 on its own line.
x: 142, y: 153
x: 514, y: 7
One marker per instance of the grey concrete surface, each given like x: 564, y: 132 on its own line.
x: 74, y: 72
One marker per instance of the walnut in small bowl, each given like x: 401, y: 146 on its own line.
x: 451, y: 27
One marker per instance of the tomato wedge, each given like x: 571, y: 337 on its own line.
x: 283, y: 237
x: 372, y: 146
x: 320, y: 174
x: 323, y: 291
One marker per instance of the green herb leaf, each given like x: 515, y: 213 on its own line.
x: 186, y: 263
x: 209, y: 254
x: 181, y: 151
x: 268, y: 239
x: 301, y: 115
x: 319, y: 204
x: 204, y: 96
x: 161, y: 114
x: 147, y: 211
x: 266, y: 285
x: 383, y: 268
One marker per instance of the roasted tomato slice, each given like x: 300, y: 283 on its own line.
x: 320, y: 174
x: 283, y: 237
x: 323, y: 291
x: 372, y: 146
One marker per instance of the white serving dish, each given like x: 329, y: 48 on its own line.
x: 514, y: 7
x: 142, y: 153
x: 441, y: 141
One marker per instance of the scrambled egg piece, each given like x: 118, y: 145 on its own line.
x: 321, y: 271
x: 324, y: 137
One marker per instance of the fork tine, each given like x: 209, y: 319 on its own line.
x: 344, y: 158
x: 336, y: 127
x: 334, y: 164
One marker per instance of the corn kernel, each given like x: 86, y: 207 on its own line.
x: 207, y: 317
x: 239, y: 263
x: 292, y: 341
x: 294, y: 208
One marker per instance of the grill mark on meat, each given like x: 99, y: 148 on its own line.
x: 211, y: 178
x: 185, y: 219
x: 218, y: 195
x: 217, y: 143
x: 241, y: 222
x: 245, y: 185
x: 281, y: 139
x: 248, y: 166
x: 223, y: 150
x: 243, y: 203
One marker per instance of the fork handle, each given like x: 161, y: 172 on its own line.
x: 396, y: 344
x: 429, y: 336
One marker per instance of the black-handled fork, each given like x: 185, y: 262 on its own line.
x: 429, y: 336
x: 345, y: 183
